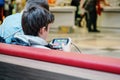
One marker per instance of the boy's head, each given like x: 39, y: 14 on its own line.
x: 36, y: 21
x: 41, y: 3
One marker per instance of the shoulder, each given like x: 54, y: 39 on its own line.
x: 28, y: 40
x: 12, y: 20
x: 13, y: 16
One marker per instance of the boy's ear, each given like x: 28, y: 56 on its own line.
x: 42, y: 30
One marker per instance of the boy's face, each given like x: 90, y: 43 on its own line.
x: 43, y: 33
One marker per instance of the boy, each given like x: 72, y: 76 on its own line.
x: 12, y: 24
x: 36, y: 23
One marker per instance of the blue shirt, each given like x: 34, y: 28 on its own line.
x: 10, y: 26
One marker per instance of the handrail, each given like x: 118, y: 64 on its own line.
x: 101, y: 63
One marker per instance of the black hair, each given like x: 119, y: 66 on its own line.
x: 34, y: 19
x: 42, y: 3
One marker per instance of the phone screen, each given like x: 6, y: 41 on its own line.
x: 58, y: 42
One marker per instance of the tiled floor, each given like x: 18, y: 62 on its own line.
x: 105, y: 43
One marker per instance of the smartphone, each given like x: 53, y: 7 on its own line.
x: 58, y: 42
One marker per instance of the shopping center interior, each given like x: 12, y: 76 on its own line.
x: 92, y: 55
x: 104, y: 43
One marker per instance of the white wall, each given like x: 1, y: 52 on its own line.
x: 59, y: 1
x: 114, y: 2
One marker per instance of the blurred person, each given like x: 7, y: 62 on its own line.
x: 91, y: 15
x: 36, y: 22
x: 93, y: 9
x: 76, y: 3
x: 12, y: 7
x: 6, y: 8
x: 12, y: 24
x: 1, y: 10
